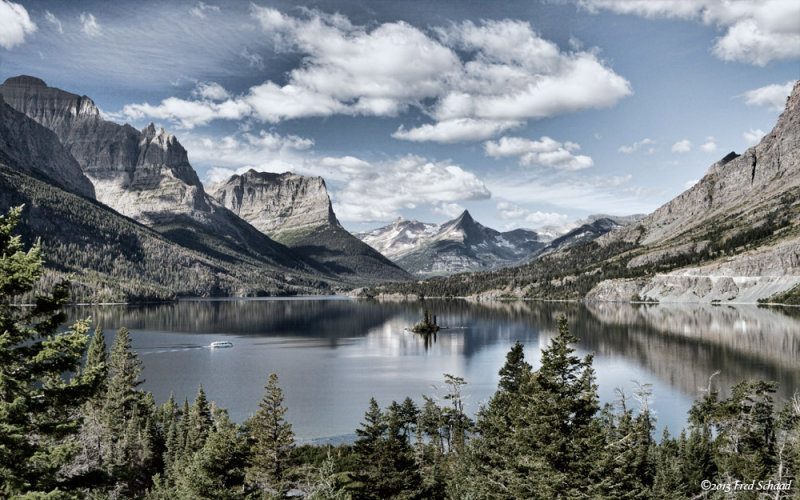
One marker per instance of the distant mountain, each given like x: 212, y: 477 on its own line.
x: 143, y: 174
x: 586, y: 230
x: 296, y: 211
x: 459, y: 245
x: 107, y: 256
x: 732, y: 237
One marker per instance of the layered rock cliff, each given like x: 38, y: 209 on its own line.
x: 35, y: 150
x: 276, y: 204
x: 296, y: 211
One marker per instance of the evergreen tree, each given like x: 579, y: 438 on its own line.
x: 272, y: 440
x: 217, y: 470
x: 198, y: 423
x: 557, y: 434
x: 122, y: 395
x: 97, y: 357
x: 39, y: 401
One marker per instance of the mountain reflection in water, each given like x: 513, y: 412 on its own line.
x: 332, y: 354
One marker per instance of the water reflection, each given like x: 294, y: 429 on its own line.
x: 333, y: 354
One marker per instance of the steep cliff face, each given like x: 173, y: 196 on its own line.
x: 296, y: 211
x: 33, y: 149
x: 144, y: 174
x: 276, y: 204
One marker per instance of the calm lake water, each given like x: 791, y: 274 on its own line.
x: 332, y: 353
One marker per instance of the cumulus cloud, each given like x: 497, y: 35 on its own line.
x: 753, y: 136
x: 772, y: 97
x: 15, y: 25
x: 473, y: 80
x: 756, y: 31
x: 210, y: 90
x: 545, y: 152
x: 188, y: 114
x: 628, y: 149
x: 379, y: 191
x: 682, y: 146
x: 89, y: 25
x: 56, y: 22
x: 510, y: 211
x: 709, y: 146
x: 456, y: 130
x: 200, y: 9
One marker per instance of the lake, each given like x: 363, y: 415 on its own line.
x: 333, y: 353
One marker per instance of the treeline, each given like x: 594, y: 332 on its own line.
x: 75, y: 424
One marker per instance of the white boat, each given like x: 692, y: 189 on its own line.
x: 223, y: 343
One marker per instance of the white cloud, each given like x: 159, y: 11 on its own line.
x: 757, y: 31
x: 709, y: 146
x: 379, y: 191
x: 690, y: 183
x: 15, y: 25
x: 772, y: 97
x: 265, y: 151
x: 188, y: 114
x: 593, y: 195
x: 450, y: 210
x: 682, y: 146
x: 474, y: 80
x: 519, y: 215
x: 56, y: 22
x: 753, y: 136
x: 210, y: 90
x: 546, y: 152
x: 89, y: 25
x: 200, y: 9
x: 456, y: 130
x: 628, y: 149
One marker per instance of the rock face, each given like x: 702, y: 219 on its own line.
x: 749, y: 199
x: 459, y: 245
x: 35, y: 150
x: 144, y: 174
x: 296, y: 211
x: 276, y: 204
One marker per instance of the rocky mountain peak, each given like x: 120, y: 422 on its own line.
x: 276, y: 203
x: 25, y: 81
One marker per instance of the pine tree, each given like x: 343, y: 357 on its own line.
x: 39, y: 401
x: 122, y: 395
x: 557, y: 434
x: 272, y: 440
x: 97, y: 357
x: 198, y: 423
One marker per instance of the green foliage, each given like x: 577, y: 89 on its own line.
x: 272, y: 440
x: 39, y: 402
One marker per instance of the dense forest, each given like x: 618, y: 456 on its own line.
x: 74, y: 423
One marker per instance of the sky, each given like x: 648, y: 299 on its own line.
x: 526, y: 113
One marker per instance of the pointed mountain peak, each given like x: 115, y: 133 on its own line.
x: 464, y: 219
x: 150, y: 130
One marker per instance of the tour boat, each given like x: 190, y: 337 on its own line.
x: 223, y: 343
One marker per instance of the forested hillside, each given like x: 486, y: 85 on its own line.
x: 76, y: 429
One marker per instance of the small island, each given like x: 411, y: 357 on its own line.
x: 427, y: 326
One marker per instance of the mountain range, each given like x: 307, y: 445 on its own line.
x: 464, y: 245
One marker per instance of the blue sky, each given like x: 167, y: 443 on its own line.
x: 525, y: 113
